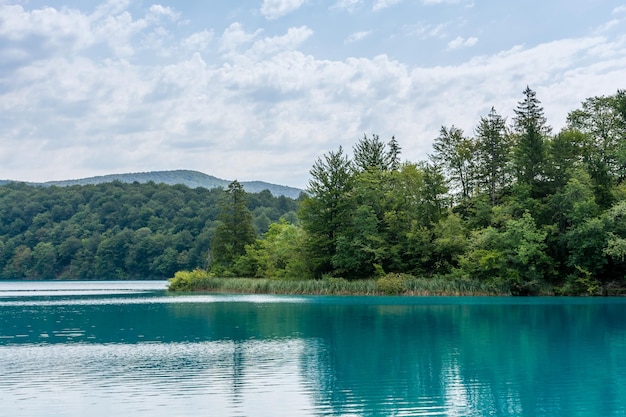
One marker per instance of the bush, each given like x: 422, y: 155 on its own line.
x: 391, y: 284
x: 189, y: 280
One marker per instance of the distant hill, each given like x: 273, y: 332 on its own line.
x: 192, y: 179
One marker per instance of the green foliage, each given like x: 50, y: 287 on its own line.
x: 449, y: 242
x: 235, y: 229
x: 391, y: 284
x: 339, y: 286
x: 492, y: 155
x: 529, y: 153
x: 515, y: 256
x: 113, y: 230
x: 325, y: 213
x: 455, y: 152
x: 370, y: 154
x: 278, y: 254
x: 190, y: 280
x: 580, y: 282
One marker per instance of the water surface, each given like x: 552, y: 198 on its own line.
x: 131, y: 349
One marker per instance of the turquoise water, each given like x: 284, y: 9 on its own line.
x: 130, y: 349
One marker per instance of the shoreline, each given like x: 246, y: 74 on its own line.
x: 335, y: 286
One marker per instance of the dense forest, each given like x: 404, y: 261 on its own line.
x: 116, y: 230
x: 511, y: 203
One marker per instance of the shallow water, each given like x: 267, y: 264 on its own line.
x: 129, y: 348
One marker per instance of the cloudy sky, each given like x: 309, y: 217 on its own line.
x: 258, y: 89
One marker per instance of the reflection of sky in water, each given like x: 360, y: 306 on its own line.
x: 201, y: 299
x: 79, y: 287
x: 219, y: 378
x: 57, y: 293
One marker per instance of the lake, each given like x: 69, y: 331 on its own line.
x: 131, y: 349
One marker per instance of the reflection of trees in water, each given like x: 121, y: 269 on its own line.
x: 238, y: 374
x: 467, y: 360
x: 376, y: 359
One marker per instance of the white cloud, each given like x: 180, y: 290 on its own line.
x: 198, y: 41
x: 383, y: 4
x: 431, y: 2
x: 460, y: 42
x: 607, y: 26
x: 426, y: 31
x: 275, y: 44
x: 234, y: 37
x: 619, y: 9
x: 156, y: 11
x: 349, y: 5
x: 273, y: 9
x: 56, y: 28
x: 357, y: 36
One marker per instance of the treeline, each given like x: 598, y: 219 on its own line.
x: 512, y: 203
x: 116, y: 230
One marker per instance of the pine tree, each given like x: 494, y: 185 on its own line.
x: 393, y: 154
x: 235, y: 230
x: 530, y: 130
x: 492, y: 154
x: 369, y: 153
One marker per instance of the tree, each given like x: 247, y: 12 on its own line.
x: 564, y: 156
x: 235, y: 230
x: 530, y: 130
x: 359, y: 248
x: 370, y: 154
x: 433, y: 195
x: 277, y: 255
x: 44, y: 260
x: 603, y: 122
x: 492, y: 154
x: 393, y: 154
x: 514, y: 256
x: 326, y: 211
x: 455, y: 153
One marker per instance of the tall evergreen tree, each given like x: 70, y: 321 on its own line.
x: 393, y: 154
x: 235, y: 230
x: 492, y: 154
x: 369, y: 153
x: 530, y: 130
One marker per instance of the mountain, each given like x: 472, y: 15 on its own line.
x: 192, y: 179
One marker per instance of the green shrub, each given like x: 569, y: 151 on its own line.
x: 189, y: 280
x: 391, y: 284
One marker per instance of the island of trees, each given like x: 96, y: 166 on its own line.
x: 512, y: 208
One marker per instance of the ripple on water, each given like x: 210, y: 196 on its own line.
x: 225, y: 375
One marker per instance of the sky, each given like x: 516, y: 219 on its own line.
x: 259, y: 89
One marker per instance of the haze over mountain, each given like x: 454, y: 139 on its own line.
x: 192, y: 179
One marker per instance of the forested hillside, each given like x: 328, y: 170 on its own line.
x: 512, y: 203
x: 115, y: 230
x: 192, y: 179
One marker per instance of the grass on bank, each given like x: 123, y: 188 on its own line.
x: 389, y: 284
